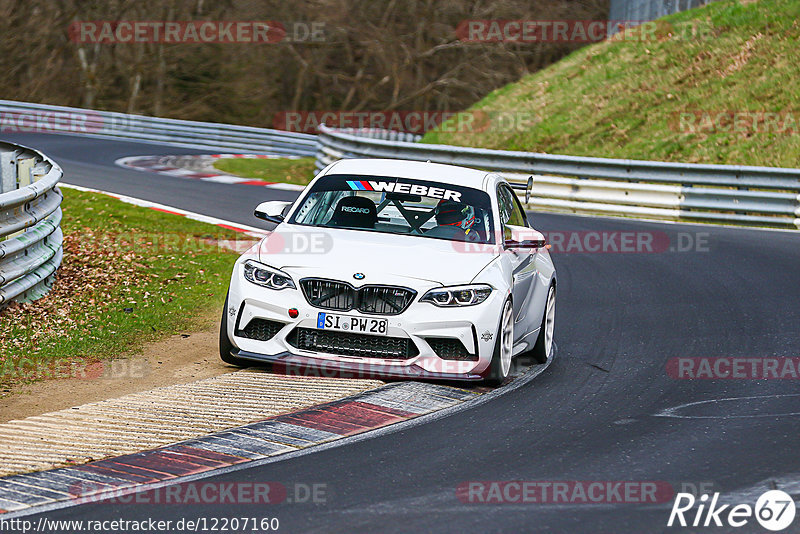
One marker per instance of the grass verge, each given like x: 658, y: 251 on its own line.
x: 130, y: 276
x: 298, y: 171
x: 670, y: 96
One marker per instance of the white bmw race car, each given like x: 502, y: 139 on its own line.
x: 394, y: 268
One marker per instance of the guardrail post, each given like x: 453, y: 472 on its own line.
x: 8, y: 175
x: 24, y: 179
x: 797, y: 213
x: 24, y: 168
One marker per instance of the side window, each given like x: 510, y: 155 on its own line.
x: 503, y: 207
x: 520, y: 209
x: 511, y: 212
x: 318, y: 207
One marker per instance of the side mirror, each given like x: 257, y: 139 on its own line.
x: 522, y: 237
x: 528, y: 190
x: 272, y: 211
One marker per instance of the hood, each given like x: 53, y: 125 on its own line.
x: 383, y: 258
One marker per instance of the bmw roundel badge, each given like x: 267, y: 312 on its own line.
x: 359, y: 276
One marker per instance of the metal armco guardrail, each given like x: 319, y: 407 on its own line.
x: 730, y: 194
x: 30, y: 214
x: 28, y: 117
x: 643, y: 10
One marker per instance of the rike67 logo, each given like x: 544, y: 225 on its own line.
x: 774, y: 510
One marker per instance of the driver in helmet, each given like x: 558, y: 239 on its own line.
x: 454, y: 221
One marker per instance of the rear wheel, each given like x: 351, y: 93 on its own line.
x: 543, y: 349
x: 225, y: 345
x: 503, y: 346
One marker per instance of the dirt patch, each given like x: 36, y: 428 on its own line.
x: 744, y: 55
x: 176, y: 360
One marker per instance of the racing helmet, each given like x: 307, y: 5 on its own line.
x: 452, y: 213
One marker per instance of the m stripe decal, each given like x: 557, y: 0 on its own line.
x: 359, y: 185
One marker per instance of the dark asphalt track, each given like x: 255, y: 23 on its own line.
x: 591, y: 416
x: 95, y: 168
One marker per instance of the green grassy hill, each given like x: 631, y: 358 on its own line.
x: 656, y: 97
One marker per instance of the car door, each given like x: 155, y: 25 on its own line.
x: 522, y: 261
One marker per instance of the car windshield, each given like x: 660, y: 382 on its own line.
x: 402, y: 206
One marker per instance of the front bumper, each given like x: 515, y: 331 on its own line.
x: 294, y: 365
x: 474, y: 326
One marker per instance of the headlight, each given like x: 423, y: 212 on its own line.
x: 447, y: 297
x: 265, y: 276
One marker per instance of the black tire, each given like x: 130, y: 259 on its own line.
x: 495, y: 375
x: 225, y: 345
x: 539, y: 353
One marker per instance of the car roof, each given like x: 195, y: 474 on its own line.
x: 419, y: 170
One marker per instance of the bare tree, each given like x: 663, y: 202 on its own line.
x: 375, y: 55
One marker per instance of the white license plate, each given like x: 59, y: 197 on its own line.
x: 349, y: 323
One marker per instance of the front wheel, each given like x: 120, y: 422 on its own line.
x: 225, y: 345
x: 543, y: 349
x: 503, y: 346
